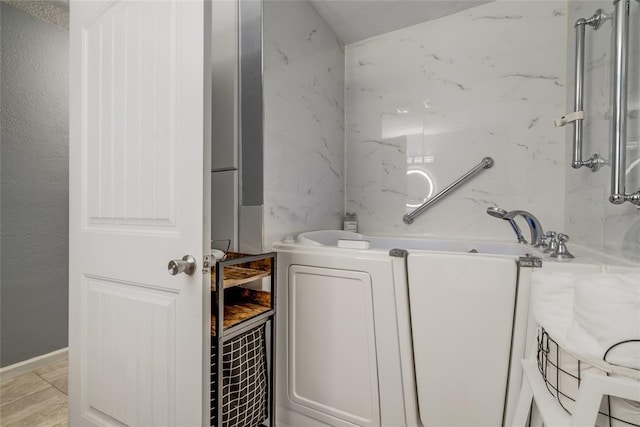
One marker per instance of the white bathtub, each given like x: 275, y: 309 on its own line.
x: 331, y: 238
x: 424, y: 337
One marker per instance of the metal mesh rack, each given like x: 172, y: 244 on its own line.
x: 562, y: 374
x: 245, y: 388
x: 244, y: 328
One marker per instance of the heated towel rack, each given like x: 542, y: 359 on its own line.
x: 486, y: 163
x: 619, y: 193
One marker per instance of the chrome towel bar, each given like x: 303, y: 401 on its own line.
x: 577, y: 116
x: 619, y: 108
x: 594, y: 162
x: 486, y: 163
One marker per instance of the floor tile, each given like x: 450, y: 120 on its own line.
x: 21, y: 386
x: 46, y: 408
x: 55, y: 374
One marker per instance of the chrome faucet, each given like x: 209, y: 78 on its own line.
x: 534, y: 225
x: 500, y: 213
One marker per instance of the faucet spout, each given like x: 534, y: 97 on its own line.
x: 496, y: 212
x: 534, y: 225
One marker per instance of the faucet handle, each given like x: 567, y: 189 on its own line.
x: 562, y: 253
x: 553, y: 242
x: 543, y: 241
x: 550, y: 235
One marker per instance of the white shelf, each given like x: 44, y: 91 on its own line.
x: 551, y: 412
x: 592, y: 389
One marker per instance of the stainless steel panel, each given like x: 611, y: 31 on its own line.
x: 224, y: 207
x: 224, y: 78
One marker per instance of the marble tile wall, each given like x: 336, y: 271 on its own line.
x: 304, y: 121
x: 428, y: 102
x: 591, y: 219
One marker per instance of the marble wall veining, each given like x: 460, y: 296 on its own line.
x: 428, y: 102
x: 303, y: 121
x: 590, y: 219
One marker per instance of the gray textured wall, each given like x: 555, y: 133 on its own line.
x: 34, y: 186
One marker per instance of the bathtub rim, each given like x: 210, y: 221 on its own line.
x: 304, y: 241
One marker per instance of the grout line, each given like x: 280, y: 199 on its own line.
x: 63, y: 423
x: 50, y: 383
x: 3, y: 404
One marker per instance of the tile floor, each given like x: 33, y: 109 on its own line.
x: 37, y: 398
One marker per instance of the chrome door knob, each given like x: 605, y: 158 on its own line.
x: 185, y: 265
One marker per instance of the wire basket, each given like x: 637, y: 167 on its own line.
x: 562, y: 374
x: 245, y: 385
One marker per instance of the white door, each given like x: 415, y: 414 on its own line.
x: 137, y: 200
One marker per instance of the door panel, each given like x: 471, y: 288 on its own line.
x: 139, y: 189
x: 462, y: 309
x: 332, y: 363
x: 134, y: 325
x: 129, y: 116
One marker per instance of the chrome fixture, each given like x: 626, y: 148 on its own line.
x: 500, y: 213
x: 185, y: 265
x: 550, y: 236
x: 562, y: 253
x: 534, y: 225
x: 619, y: 193
x: 553, y: 242
x: 486, y: 163
x: 543, y: 242
x: 577, y: 116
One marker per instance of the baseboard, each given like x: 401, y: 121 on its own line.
x: 33, y: 364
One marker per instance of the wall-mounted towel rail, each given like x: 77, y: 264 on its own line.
x: 486, y: 163
x: 619, y: 108
x: 577, y: 116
